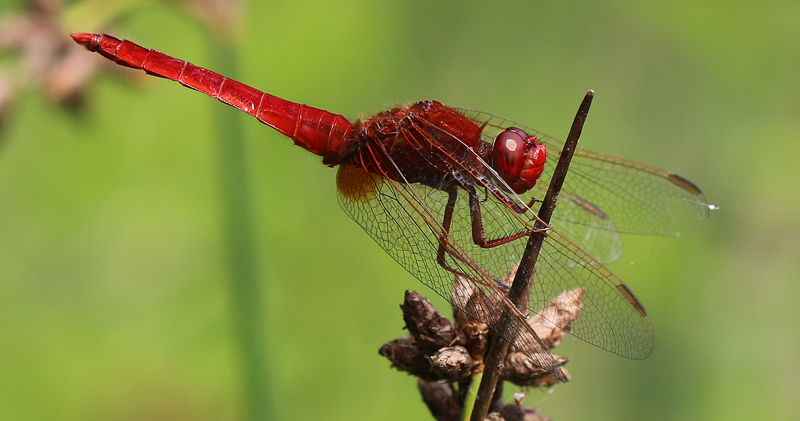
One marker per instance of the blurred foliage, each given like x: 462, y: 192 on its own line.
x: 113, y: 292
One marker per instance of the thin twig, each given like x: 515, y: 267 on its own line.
x: 519, y: 289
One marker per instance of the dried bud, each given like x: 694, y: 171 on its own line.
x: 549, y: 325
x: 494, y: 416
x: 454, y: 363
x: 475, y: 301
x: 522, y: 371
x: 520, y: 413
x: 431, y: 330
x: 441, y: 400
x: 441, y: 353
x: 552, y: 322
x: 476, y: 334
x: 405, y: 355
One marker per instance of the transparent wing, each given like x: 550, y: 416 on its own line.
x: 612, y: 318
x: 404, y: 220
x: 603, y: 196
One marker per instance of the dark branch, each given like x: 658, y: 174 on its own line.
x: 519, y: 289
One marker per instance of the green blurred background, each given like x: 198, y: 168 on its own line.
x: 115, y: 298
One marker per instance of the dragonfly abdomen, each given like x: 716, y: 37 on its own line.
x: 318, y: 131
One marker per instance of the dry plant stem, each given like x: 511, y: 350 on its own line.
x: 519, y: 289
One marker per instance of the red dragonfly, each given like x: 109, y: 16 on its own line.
x: 448, y: 191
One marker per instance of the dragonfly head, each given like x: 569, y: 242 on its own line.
x: 518, y: 159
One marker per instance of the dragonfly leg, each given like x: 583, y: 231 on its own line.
x: 478, y: 234
x: 444, y: 248
x: 516, y: 207
x: 532, y: 202
x: 441, y: 254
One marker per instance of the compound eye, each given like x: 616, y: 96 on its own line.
x: 518, y: 131
x: 508, y: 153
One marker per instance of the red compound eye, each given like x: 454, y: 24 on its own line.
x: 508, y: 153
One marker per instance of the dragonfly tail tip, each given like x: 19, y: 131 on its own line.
x: 81, y: 38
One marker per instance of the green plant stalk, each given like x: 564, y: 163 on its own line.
x: 247, y: 315
x: 472, y: 394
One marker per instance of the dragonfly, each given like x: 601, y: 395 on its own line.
x: 447, y: 192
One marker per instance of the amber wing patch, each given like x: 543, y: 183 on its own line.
x: 357, y: 184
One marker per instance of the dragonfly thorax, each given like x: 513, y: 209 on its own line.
x: 425, y: 143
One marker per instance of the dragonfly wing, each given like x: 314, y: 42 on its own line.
x: 405, y: 220
x: 639, y: 199
x: 604, y: 193
x: 612, y: 318
x: 586, y: 224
